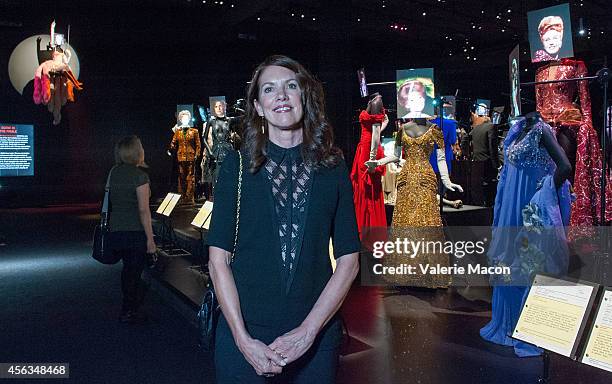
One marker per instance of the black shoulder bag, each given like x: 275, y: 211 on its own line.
x: 101, y: 250
x: 208, y: 314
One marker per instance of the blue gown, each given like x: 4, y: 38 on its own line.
x: 528, y: 230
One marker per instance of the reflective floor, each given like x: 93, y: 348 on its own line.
x: 58, y: 305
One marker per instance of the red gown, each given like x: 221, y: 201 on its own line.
x: 367, y: 187
x: 555, y: 104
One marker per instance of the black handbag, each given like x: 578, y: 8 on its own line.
x: 102, y: 250
x: 209, y: 312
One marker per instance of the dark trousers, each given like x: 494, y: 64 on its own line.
x: 489, y: 185
x: 318, y: 365
x: 186, y: 180
x: 132, y: 246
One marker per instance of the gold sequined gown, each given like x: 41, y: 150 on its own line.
x: 417, y: 214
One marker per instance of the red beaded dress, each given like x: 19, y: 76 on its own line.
x: 555, y: 102
x: 367, y: 187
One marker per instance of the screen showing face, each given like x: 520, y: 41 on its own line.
x: 363, y: 86
x: 415, y: 93
x: 515, y: 83
x: 217, y: 106
x: 449, y: 107
x: 550, y: 33
x: 483, y: 107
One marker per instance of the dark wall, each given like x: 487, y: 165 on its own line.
x: 138, y: 63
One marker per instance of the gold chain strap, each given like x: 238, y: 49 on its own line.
x: 237, y: 205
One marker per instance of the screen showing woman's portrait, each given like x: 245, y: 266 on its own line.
x: 415, y: 93
x: 217, y: 106
x: 550, y: 34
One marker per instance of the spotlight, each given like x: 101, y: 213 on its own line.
x: 581, y: 30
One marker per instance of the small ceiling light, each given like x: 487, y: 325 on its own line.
x: 581, y: 30
x: 220, y: 3
x: 314, y: 18
x: 293, y: 14
x: 503, y: 30
x: 358, y: 19
x: 259, y: 19
x: 302, y: 16
x: 424, y: 13
x: 474, y: 59
x: 232, y: 5
x: 472, y: 48
x: 509, y: 11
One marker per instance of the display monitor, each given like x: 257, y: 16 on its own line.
x: 514, y: 74
x: 550, y: 33
x: 415, y: 93
x: 363, y: 85
x: 482, y: 107
x: 16, y: 150
x: 218, y: 106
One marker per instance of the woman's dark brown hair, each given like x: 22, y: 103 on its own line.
x: 318, y: 139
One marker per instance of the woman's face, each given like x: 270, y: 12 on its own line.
x: 552, y: 41
x: 279, y: 98
x: 219, y: 109
x: 415, y: 102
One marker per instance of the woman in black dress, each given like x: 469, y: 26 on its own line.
x: 280, y: 296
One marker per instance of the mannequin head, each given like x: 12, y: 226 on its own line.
x: 412, y: 96
x: 219, y: 108
x: 551, y: 34
x: 184, y: 118
x: 375, y: 105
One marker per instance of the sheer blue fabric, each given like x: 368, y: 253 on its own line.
x: 528, y: 230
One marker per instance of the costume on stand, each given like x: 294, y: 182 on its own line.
x: 417, y: 213
x: 367, y: 187
x: 186, y: 142
x: 528, y: 229
x: 219, y: 129
x: 449, y: 132
x: 573, y: 127
x: 54, y: 82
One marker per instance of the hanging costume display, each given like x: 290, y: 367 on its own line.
x: 573, y: 128
x: 54, y: 82
x: 528, y: 227
x: 417, y: 213
x: 186, y: 142
x: 368, y: 194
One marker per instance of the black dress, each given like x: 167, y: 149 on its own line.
x: 289, y: 211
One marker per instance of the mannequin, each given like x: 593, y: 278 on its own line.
x: 218, y: 138
x: 573, y: 127
x: 54, y: 81
x: 485, y: 140
x: 416, y: 209
x: 186, y: 142
x: 368, y: 193
x: 532, y: 193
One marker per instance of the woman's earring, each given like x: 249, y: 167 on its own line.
x: 263, y: 122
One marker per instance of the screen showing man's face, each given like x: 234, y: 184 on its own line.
x: 552, y: 41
